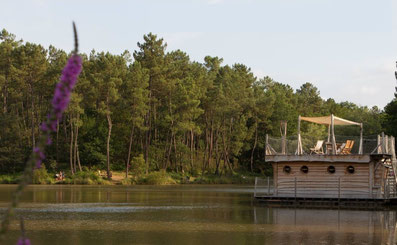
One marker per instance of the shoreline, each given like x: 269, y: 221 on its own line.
x: 153, y: 178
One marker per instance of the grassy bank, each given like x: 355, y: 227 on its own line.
x: 87, y: 177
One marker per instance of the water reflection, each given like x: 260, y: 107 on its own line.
x: 327, y: 226
x: 185, y: 215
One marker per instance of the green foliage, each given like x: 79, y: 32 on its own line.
x: 390, y: 118
x: 157, y: 178
x: 41, y: 176
x: 9, y: 178
x: 225, y: 179
x: 138, y: 165
x: 85, y: 178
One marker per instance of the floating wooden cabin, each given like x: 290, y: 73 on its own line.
x: 330, y: 170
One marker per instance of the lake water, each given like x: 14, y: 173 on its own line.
x: 184, y: 214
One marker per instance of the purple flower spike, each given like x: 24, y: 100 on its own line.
x: 23, y: 241
x: 60, y: 102
x: 64, y: 88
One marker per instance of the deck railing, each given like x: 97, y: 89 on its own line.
x: 336, y: 188
x: 372, y: 144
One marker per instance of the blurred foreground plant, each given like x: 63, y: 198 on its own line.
x: 60, y: 102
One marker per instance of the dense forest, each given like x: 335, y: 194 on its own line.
x: 155, y: 108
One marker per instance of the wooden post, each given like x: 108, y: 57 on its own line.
x: 333, y: 135
x: 387, y: 144
x: 339, y: 189
x: 329, y: 138
x: 393, y: 157
x: 299, y: 150
x: 371, y: 178
x: 268, y: 186
x: 275, y: 179
x: 360, y: 149
x: 383, y: 143
x: 329, y: 133
x: 378, y: 147
x: 266, y: 144
x: 283, y: 129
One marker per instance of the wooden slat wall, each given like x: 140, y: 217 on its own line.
x: 319, y: 183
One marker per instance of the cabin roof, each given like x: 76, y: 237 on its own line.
x: 366, y: 158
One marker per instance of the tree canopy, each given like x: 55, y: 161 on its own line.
x: 179, y: 114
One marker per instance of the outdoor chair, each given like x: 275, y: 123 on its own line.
x: 318, y: 149
x: 348, y: 147
x: 340, y: 148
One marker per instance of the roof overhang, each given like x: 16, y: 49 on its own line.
x: 327, y: 120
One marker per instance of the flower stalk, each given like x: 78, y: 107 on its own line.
x: 59, y: 103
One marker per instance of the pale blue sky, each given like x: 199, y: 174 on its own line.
x: 346, y: 48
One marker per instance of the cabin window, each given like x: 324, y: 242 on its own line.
x: 331, y: 169
x: 350, y: 169
x: 304, y: 169
x: 287, y: 169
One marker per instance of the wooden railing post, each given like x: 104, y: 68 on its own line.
x: 268, y: 186
x: 383, y: 143
x: 266, y: 144
x: 339, y: 187
x: 371, y: 179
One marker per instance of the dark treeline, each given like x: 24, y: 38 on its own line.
x: 154, y: 106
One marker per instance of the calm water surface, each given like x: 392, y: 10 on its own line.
x: 188, y: 214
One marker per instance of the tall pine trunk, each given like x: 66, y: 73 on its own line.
x: 129, y: 152
x: 57, y: 143
x: 32, y: 114
x: 253, y: 148
x: 71, y: 147
x: 205, y: 150
x: 76, y: 158
x: 191, y: 149
x: 210, y: 150
x: 5, y: 95
x: 108, y: 144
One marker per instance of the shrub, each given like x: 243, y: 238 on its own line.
x: 157, y: 178
x: 85, y: 178
x: 129, y: 181
x: 138, y: 165
x: 41, y: 176
x: 9, y: 179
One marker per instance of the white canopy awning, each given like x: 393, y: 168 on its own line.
x: 331, y: 121
x: 327, y: 120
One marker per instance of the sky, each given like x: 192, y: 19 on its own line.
x: 346, y: 48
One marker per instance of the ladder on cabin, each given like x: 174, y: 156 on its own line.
x: 391, y: 188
